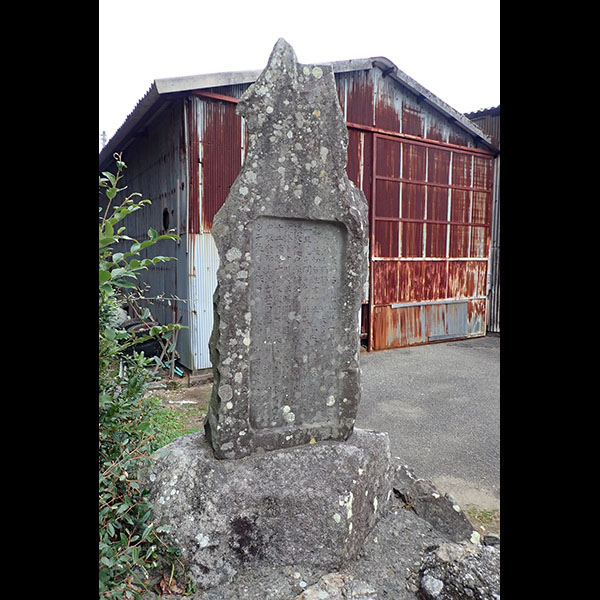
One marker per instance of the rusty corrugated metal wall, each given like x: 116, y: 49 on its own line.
x: 428, y: 187
x: 216, y: 142
x: 429, y: 192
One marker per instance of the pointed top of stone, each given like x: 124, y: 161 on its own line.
x: 285, y: 85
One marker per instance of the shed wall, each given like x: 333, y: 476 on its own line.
x: 156, y: 168
x: 429, y: 192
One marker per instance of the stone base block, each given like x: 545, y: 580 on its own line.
x: 310, y: 505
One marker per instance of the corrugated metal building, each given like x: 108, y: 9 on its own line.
x: 426, y: 170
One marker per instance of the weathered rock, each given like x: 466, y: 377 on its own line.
x: 292, y: 239
x: 338, y: 586
x: 460, y: 571
x: 311, y: 505
x: 388, y: 562
x: 441, y: 510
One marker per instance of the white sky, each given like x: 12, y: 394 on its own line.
x: 451, y: 47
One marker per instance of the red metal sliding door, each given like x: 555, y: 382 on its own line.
x: 430, y: 237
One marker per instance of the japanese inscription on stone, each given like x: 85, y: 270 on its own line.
x: 294, y: 289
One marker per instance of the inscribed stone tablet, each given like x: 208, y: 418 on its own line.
x: 292, y: 239
x: 295, y: 282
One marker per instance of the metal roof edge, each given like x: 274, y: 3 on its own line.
x: 134, y: 117
x: 193, y: 82
x: 172, y: 85
x: 493, y: 111
x: 388, y: 67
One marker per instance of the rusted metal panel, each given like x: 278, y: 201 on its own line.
x: 411, y: 281
x: 357, y: 91
x: 438, y: 167
x: 387, y: 102
x: 388, y: 198
x: 435, y: 281
x: 435, y: 240
x: 412, y: 120
x: 476, y: 317
x: 193, y: 115
x: 397, y: 327
x: 388, y: 157
x: 220, y: 137
x: 385, y: 238
x: 457, y: 279
x: 385, y: 282
x: 441, y: 215
x: 414, y: 159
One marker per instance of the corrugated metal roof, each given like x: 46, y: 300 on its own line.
x: 484, y: 112
x: 161, y: 89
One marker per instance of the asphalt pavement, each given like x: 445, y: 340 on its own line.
x: 440, y: 404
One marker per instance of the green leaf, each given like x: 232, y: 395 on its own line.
x: 108, y: 230
x: 109, y: 562
x: 123, y: 283
x: 111, y: 193
x: 103, y: 276
x: 106, y: 241
x: 110, y: 177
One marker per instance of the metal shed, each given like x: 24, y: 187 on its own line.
x: 426, y: 170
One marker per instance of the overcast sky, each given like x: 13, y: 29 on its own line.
x: 451, y: 47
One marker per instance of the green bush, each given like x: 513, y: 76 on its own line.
x: 129, y: 429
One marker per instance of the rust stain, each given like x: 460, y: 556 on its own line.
x: 410, y: 281
x: 457, y: 279
x: 221, y: 158
x: 388, y: 157
x: 360, y: 99
x: 386, y: 239
x: 387, y: 198
x: 412, y: 239
x: 412, y: 121
x: 385, y: 282
x: 436, y: 280
x: 193, y: 173
x: 386, y: 115
x: 434, y: 133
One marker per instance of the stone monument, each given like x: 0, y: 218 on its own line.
x: 281, y: 476
x: 292, y: 239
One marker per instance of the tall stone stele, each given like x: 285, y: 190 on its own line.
x: 292, y: 238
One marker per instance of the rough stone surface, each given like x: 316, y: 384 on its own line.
x: 292, y: 239
x: 338, y: 586
x: 311, y: 505
x: 390, y: 562
x: 439, y: 509
x: 456, y: 571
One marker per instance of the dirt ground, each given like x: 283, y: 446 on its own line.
x: 191, y: 403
